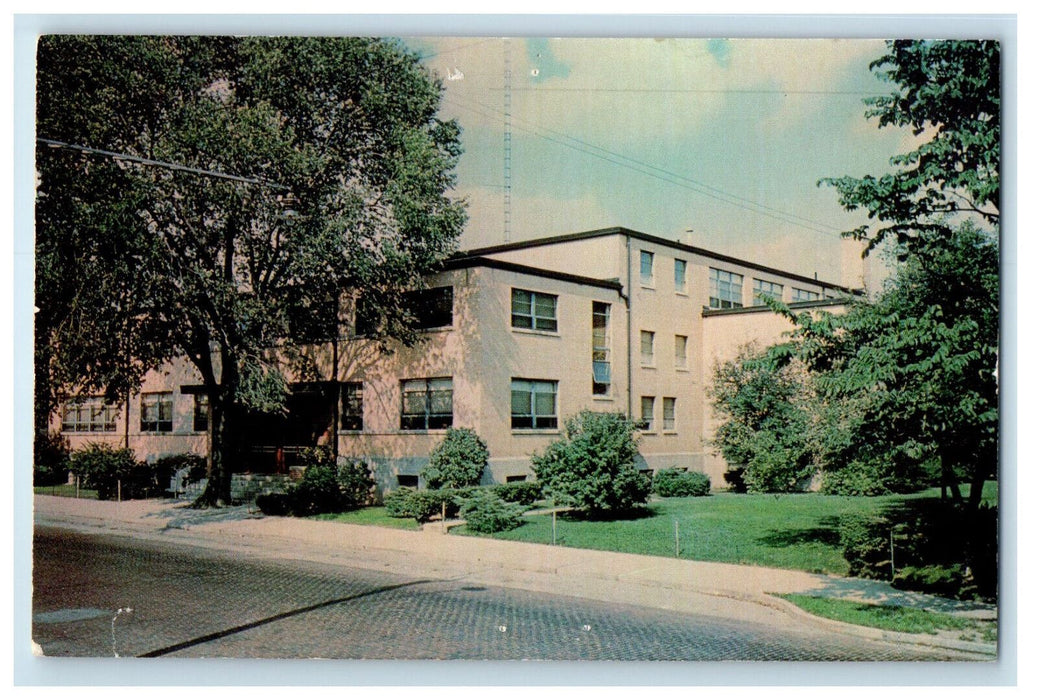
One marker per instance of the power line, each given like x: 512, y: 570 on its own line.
x: 51, y: 143
x: 664, y: 175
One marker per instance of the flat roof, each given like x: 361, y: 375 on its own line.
x: 462, y: 261
x: 621, y: 231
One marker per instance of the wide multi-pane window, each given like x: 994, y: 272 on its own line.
x: 352, y: 413
x: 89, y: 415
x: 648, y: 341
x: 648, y: 408
x: 201, y: 413
x: 680, y: 272
x: 646, y: 268
x: 725, y: 289
x: 600, y: 355
x: 763, y: 288
x: 669, y: 405
x: 427, y: 404
x: 534, y: 403
x: 805, y: 295
x: 157, y: 412
x: 680, y: 351
x: 534, y: 310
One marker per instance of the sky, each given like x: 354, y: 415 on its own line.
x: 728, y: 138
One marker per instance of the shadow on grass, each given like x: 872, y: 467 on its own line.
x: 637, y: 513
x: 827, y: 532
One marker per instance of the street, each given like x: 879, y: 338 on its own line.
x: 178, y: 601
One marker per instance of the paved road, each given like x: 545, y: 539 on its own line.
x: 195, y: 603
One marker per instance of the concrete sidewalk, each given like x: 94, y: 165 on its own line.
x: 704, y: 588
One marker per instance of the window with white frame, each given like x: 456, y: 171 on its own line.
x: 157, y: 412
x: 805, y: 295
x: 646, y: 268
x: 680, y: 274
x: 351, y: 416
x: 535, y: 404
x: 681, y: 352
x: 648, y: 409
x: 601, y: 368
x: 427, y: 404
x: 725, y: 289
x: 763, y: 288
x: 669, y: 406
x: 648, y: 341
x: 89, y: 415
x: 534, y: 310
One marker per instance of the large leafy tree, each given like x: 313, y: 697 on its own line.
x: 267, y: 181
x: 948, y: 94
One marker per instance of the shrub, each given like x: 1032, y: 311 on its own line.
x: 317, y: 492
x: 487, y: 512
x: 356, y: 484
x: 522, y: 492
x: 274, y: 503
x: 592, y: 466
x: 674, y: 482
x: 458, y: 461
x: 397, y: 503
x: 50, y: 459
x: 102, y: 467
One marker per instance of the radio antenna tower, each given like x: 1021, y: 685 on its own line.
x: 508, y: 141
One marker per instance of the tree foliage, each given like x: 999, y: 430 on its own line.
x: 948, y: 94
x: 343, y: 177
x: 459, y: 460
x: 592, y: 466
x: 767, y: 408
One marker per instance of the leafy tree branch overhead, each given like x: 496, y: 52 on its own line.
x: 948, y: 93
x: 139, y: 264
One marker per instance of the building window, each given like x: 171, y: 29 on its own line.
x: 680, y: 271
x: 407, y: 480
x: 352, y: 413
x: 534, y: 310
x: 805, y: 295
x: 431, y: 308
x: 515, y: 478
x: 201, y: 417
x: 534, y: 404
x: 648, y: 353
x: 89, y: 415
x: 668, y: 412
x: 157, y: 412
x: 646, y: 268
x: 428, y: 404
x: 648, y: 408
x: 762, y: 289
x: 680, y: 351
x: 725, y: 289
x: 601, y: 369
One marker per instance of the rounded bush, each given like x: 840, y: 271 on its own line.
x: 522, y: 492
x: 487, y: 512
x: 458, y: 461
x: 105, y: 468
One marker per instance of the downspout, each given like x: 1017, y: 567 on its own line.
x: 629, y: 300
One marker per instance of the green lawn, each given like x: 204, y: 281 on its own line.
x: 67, y: 490
x: 370, y: 516
x: 788, y: 531
x: 896, y: 618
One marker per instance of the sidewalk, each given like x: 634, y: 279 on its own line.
x: 703, y: 588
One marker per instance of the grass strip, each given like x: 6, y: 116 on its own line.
x: 893, y: 617
x: 370, y: 516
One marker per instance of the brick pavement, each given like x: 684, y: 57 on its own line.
x: 706, y: 588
